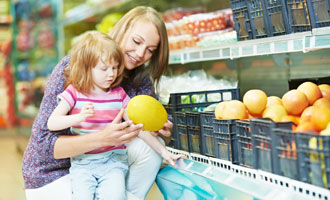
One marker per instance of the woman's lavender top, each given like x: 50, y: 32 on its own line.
x: 39, y: 166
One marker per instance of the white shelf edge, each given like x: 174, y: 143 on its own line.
x: 300, y: 39
x: 286, y: 184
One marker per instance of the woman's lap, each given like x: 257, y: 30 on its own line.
x: 144, y: 164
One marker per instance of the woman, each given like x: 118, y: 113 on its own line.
x: 142, y: 36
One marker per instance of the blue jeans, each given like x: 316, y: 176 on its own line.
x: 99, y: 178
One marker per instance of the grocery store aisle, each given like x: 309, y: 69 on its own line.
x: 11, y: 181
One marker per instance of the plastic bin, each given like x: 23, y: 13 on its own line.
x: 314, y: 159
x: 258, y: 18
x: 262, y: 137
x: 277, y: 17
x: 225, y: 139
x: 319, y: 13
x: 207, y: 136
x: 298, y: 14
x: 242, y: 19
x: 285, y: 155
x: 181, y: 103
x: 244, y: 143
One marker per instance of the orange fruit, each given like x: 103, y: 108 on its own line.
x: 255, y: 101
x: 294, y: 102
x: 291, y: 118
x: 306, y: 115
x: 254, y: 116
x: 325, y: 90
x: 273, y: 100
x: 219, y: 110
x: 306, y: 126
x: 234, y: 109
x: 321, y: 117
x: 311, y: 90
x: 146, y: 110
x: 275, y: 112
x: 322, y: 102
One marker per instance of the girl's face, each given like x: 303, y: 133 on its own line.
x: 140, y: 44
x: 104, y: 74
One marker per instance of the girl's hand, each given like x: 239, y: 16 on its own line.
x: 118, y: 133
x: 171, y: 158
x: 87, y: 111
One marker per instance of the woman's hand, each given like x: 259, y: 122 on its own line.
x: 166, y: 131
x: 118, y: 133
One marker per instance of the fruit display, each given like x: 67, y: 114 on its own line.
x: 200, y: 29
x: 146, y: 110
x: 308, y: 107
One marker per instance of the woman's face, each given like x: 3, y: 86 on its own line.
x: 140, y: 44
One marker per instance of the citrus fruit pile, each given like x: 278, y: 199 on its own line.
x: 308, y: 107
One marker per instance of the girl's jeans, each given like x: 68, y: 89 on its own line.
x: 144, y: 164
x: 101, y: 179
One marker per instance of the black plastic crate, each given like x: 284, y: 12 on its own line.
x: 314, y: 159
x: 319, y: 13
x: 180, y: 103
x: 225, y: 139
x: 285, y: 155
x: 244, y: 143
x: 242, y: 21
x: 258, y: 18
x: 182, y: 138
x: 194, y: 139
x: 277, y: 17
x: 262, y: 142
x: 207, y: 136
x: 180, y: 118
x: 298, y: 14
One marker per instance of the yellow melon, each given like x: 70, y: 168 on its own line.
x: 146, y: 110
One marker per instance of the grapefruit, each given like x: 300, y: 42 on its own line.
x: 255, y: 101
x: 234, y: 109
x: 322, y: 102
x: 306, y: 115
x: 146, y: 110
x: 294, y: 102
x: 273, y: 100
x: 321, y: 117
x: 275, y: 112
x: 311, y: 90
x: 325, y: 90
x: 219, y: 109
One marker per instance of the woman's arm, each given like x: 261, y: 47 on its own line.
x: 115, y: 133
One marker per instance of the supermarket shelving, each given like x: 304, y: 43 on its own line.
x: 84, y: 11
x: 255, y: 183
x: 297, y: 42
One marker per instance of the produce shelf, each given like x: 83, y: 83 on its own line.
x: 204, y: 177
x: 316, y: 39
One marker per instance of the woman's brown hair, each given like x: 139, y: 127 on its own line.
x: 85, y: 55
x: 158, y: 63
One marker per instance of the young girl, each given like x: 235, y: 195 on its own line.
x: 93, y: 99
